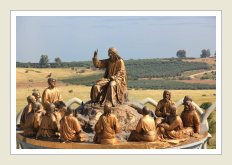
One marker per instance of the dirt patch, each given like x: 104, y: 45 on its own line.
x: 205, y: 60
x: 199, y: 81
x: 37, y: 84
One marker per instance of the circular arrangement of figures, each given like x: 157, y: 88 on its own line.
x: 110, y: 117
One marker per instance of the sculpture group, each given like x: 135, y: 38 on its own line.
x: 49, y: 118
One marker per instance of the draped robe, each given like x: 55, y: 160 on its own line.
x: 145, y: 130
x: 48, y: 127
x: 191, y: 121
x: 107, y: 90
x: 70, y: 130
x: 51, y: 96
x: 106, y: 129
x: 173, y: 128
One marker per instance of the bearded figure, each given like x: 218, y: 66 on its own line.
x: 113, y: 87
x: 163, y: 107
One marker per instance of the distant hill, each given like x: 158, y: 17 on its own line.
x: 142, y: 68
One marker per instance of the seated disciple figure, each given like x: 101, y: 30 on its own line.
x: 107, y: 127
x: 49, y: 127
x: 190, y: 118
x: 51, y: 95
x: 112, y: 88
x: 162, y: 109
x: 37, y: 96
x: 145, y: 130
x: 33, y: 119
x: 171, y: 127
x: 70, y: 129
x: 27, y: 109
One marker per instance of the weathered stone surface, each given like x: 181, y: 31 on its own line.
x: 128, y: 117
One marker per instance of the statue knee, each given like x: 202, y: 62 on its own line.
x: 112, y: 83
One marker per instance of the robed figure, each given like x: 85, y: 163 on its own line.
x: 107, y: 127
x: 145, y: 130
x: 112, y: 87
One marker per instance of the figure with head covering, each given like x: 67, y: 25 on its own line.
x: 107, y: 127
x: 190, y: 118
x: 49, y: 126
x: 162, y: 108
x: 70, y: 129
x: 112, y: 88
x: 27, y: 109
x: 145, y: 130
x: 51, y: 95
x: 33, y: 119
x: 171, y: 127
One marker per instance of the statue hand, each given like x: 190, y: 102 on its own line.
x: 95, y: 53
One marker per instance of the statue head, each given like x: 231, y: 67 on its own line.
x: 167, y: 95
x: 145, y: 110
x: 173, y: 109
x: 52, y: 82
x: 37, y: 95
x: 69, y: 111
x: 187, y: 98
x: 31, y: 99
x: 113, y: 55
x: 51, y: 108
x: 107, y: 108
x: 36, y: 106
x: 188, y: 106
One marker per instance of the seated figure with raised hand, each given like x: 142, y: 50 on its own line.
x: 145, y: 130
x: 70, y: 129
x: 27, y: 109
x: 33, y: 119
x: 171, y: 127
x: 49, y: 127
x: 163, y: 107
x: 51, y: 95
x: 113, y: 87
x: 190, y: 118
x: 107, y: 127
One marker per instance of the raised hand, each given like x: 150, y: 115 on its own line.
x: 95, y: 53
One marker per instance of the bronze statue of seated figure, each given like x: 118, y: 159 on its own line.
x: 171, y: 127
x: 50, y: 126
x: 113, y: 87
x: 70, y: 129
x: 107, y: 127
x: 190, y: 118
x: 145, y: 130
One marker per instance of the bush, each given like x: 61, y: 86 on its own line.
x: 30, y: 80
x: 71, y: 91
x: 205, y: 105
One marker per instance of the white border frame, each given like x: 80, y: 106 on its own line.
x: 14, y: 14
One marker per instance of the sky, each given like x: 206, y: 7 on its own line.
x: 75, y: 38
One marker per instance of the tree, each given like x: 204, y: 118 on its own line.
x: 215, y: 54
x: 205, y: 53
x: 44, y: 60
x: 181, y: 53
x: 58, y: 61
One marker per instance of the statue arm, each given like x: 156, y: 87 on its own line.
x: 158, y: 113
x: 139, y: 126
x: 98, y: 129
x: 197, y: 123
x: 172, y: 126
x: 77, y: 126
x: 117, y: 128
x: 55, y: 124
x: 99, y: 63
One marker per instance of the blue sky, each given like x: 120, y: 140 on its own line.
x: 75, y: 38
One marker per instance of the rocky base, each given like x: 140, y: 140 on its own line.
x: 89, y: 114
